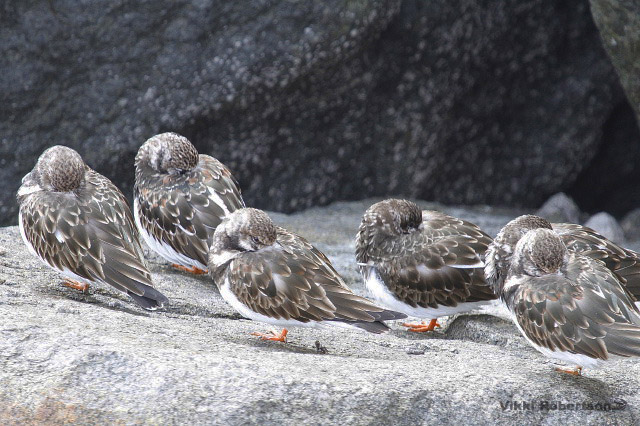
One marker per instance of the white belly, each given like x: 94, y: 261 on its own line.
x: 245, y: 311
x: 163, y: 249
x: 568, y: 357
x: 382, y: 295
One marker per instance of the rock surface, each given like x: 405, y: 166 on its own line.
x: 560, y: 208
x: 96, y: 358
x: 631, y: 224
x: 310, y: 102
x: 619, y: 25
x: 607, y: 226
x: 610, y: 182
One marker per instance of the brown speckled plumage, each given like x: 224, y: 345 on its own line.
x: 425, y: 258
x: 568, y: 303
x: 81, y: 223
x: 281, y: 276
x: 181, y: 197
x: 60, y: 169
x: 624, y: 263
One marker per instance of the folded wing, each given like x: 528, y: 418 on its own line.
x: 293, y: 280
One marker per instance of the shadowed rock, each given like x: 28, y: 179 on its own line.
x: 560, y: 209
x: 309, y: 102
x: 619, y: 25
x: 607, y: 226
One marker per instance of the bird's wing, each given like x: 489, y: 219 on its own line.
x: 624, y: 263
x: 293, y: 280
x: 183, y: 211
x: 90, y: 234
x: 585, y: 312
x: 438, y: 265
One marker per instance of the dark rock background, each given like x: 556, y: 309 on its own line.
x: 458, y: 101
x: 615, y: 176
x: 619, y: 25
x: 611, y: 182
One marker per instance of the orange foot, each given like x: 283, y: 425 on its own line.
x: 192, y: 270
x: 83, y: 287
x: 282, y: 337
x: 573, y: 371
x: 422, y: 327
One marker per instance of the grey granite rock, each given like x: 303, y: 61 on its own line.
x: 607, y: 226
x: 95, y: 358
x: 619, y: 25
x: 311, y: 101
x: 610, y: 182
x: 560, y: 208
x: 631, y: 224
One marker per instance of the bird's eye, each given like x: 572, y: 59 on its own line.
x: 255, y: 240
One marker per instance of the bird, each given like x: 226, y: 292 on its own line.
x: 80, y: 224
x: 180, y: 197
x: 271, y: 275
x: 425, y: 264
x: 568, y: 306
x: 624, y: 263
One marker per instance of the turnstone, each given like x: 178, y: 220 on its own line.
x: 624, y: 263
x: 425, y: 264
x: 180, y: 198
x: 569, y: 306
x: 79, y: 223
x: 271, y: 275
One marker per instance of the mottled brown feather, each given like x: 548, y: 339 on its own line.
x: 585, y: 311
x: 442, y: 245
x: 624, y: 263
x: 292, y: 280
x: 166, y: 202
x: 99, y: 238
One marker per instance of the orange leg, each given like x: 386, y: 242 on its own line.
x: 191, y: 270
x: 422, y: 327
x: 75, y: 285
x: 573, y: 371
x: 282, y: 337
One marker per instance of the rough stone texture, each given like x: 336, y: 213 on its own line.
x: 610, y: 183
x: 631, y: 224
x: 619, y: 25
x: 607, y: 226
x: 560, y: 208
x: 95, y: 358
x: 310, y: 102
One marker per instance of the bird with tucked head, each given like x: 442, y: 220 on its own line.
x: 78, y: 223
x: 425, y: 264
x: 180, y: 197
x: 271, y: 275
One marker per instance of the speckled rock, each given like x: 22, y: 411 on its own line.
x: 607, y: 226
x: 619, y: 25
x: 310, y: 102
x: 631, y: 224
x: 68, y: 357
x: 560, y: 208
x: 610, y: 182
